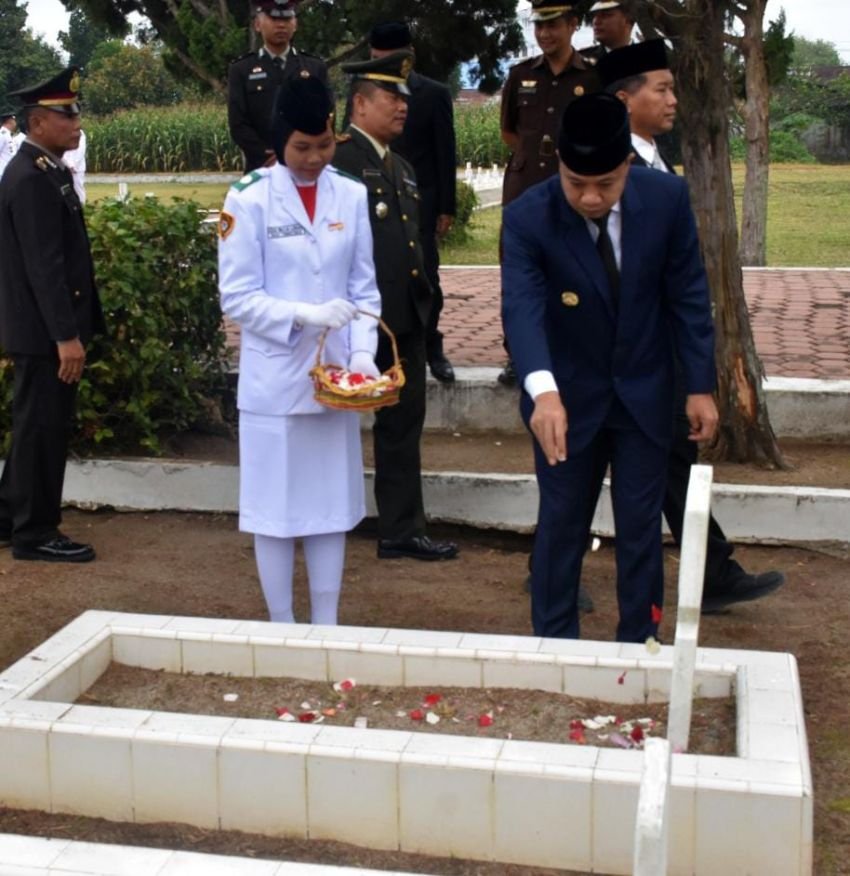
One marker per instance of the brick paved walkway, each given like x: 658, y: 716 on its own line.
x: 800, y: 319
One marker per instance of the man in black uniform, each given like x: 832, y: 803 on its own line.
x: 428, y: 143
x: 640, y: 76
x: 534, y: 97
x: 49, y: 310
x: 613, y: 22
x: 253, y: 79
x: 378, y: 113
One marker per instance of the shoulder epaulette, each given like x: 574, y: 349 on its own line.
x: 342, y: 138
x: 242, y: 57
x: 248, y: 180
x: 339, y: 172
x: 45, y: 163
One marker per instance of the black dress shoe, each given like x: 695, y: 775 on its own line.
x: 743, y: 588
x: 507, y: 376
x: 441, y: 368
x: 59, y: 549
x: 420, y: 547
x: 585, y: 600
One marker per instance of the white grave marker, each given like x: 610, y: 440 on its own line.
x: 651, y: 825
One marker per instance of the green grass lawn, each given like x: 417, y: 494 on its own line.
x: 808, y: 214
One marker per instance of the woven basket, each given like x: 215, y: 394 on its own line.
x: 359, y: 398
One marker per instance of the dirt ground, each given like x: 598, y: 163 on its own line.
x: 813, y: 465
x: 194, y: 564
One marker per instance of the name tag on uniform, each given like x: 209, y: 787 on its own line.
x: 277, y: 231
x: 261, y: 75
x: 410, y: 183
x: 336, y: 226
x: 528, y: 85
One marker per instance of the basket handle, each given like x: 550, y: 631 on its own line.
x: 381, y: 323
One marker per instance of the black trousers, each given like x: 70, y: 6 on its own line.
x: 683, y: 454
x: 431, y: 259
x: 397, y: 433
x: 34, y: 473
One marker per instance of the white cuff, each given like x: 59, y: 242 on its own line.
x: 538, y: 382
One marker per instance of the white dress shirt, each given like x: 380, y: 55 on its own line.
x: 648, y: 151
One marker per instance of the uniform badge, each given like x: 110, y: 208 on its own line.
x: 336, y: 226
x: 578, y: 91
x: 529, y: 83
x: 226, y: 224
x: 381, y: 210
x: 256, y: 69
x: 275, y: 232
x: 305, y: 74
x: 569, y: 299
x: 406, y: 67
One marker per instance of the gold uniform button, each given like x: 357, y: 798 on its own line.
x: 411, y: 244
x: 578, y: 91
x: 414, y: 273
x: 569, y: 299
x: 77, y: 293
x: 550, y: 109
x: 404, y: 216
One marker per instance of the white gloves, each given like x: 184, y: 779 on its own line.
x: 332, y: 314
x: 362, y: 362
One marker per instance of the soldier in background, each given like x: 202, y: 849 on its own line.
x: 534, y: 97
x: 378, y: 113
x: 428, y: 143
x: 8, y: 141
x: 613, y: 22
x: 49, y: 310
x: 253, y: 79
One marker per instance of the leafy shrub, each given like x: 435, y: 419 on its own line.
x: 479, y: 136
x: 161, y: 367
x: 785, y: 148
x: 467, y: 201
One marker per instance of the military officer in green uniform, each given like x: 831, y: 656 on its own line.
x: 253, y: 79
x: 378, y: 112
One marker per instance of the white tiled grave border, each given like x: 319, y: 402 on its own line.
x: 531, y: 803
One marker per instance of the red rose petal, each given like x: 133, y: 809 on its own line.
x: 576, y: 724
x: 307, y: 717
x: 432, y: 699
x: 485, y: 720
x: 622, y: 678
x: 578, y: 736
x: 282, y: 711
x: 656, y: 614
x: 417, y: 715
x: 637, y: 733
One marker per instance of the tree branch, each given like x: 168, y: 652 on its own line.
x: 345, y: 54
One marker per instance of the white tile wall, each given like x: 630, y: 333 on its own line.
x: 95, y: 662
x: 147, y: 653
x: 603, y: 683
x: 310, y: 663
x: 425, y: 671
x: 218, y: 658
x: 367, y: 668
x: 527, y: 676
x: 24, y: 774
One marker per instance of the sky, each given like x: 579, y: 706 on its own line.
x: 814, y: 19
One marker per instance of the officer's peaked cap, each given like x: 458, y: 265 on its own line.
x: 389, y: 72
x: 546, y: 10
x: 59, y: 93
x: 277, y: 8
x: 594, y: 137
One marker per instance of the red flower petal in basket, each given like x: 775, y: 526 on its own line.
x: 417, y: 715
x: 432, y: 699
x: 356, y: 379
x: 485, y: 720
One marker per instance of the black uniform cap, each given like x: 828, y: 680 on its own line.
x: 277, y: 8
x: 390, y: 35
x: 302, y: 104
x: 58, y: 94
x: 633, y: 60
x: 389, y: 72
x: 594, y: 137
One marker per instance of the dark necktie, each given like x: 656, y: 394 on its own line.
x: 388, y: 162
x: 609, y: 260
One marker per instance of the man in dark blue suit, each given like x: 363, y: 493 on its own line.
x: 594, y: 308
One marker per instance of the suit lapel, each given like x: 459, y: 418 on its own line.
x: 325, y: 200
x: 365, y: 145
x: 580, y: 245
x: 286, y: 196
x: 631, y: 232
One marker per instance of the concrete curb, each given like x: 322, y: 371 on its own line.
x: 488, y: 501
x: 798, y: 407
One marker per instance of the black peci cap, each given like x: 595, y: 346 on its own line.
x: 594, y: 137
x: 633, y: 60
x: 277, y: 8
x: 389, y: 35
x: 302, y: 104
x: 58, y: 94
x: 389, y: 72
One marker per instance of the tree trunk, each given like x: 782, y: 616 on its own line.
x: 697, y: 28
x: 757, y: 136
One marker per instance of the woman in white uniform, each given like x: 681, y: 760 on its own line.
x: 295, y: 258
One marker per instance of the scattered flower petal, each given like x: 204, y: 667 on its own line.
x: 417, y: 715
x: 432, y: 699
x: 656, y: 614
x: 401, y: 714
x: 652, y: 645
x: 637, y: 733
x: 595, y: 544
x: 307, y: 705
x: 286, y: 716
x: 281, y: 711
x: 578, y: 736
x: 622, y: 678
x: 377, y: 702
x: 345, y: 685
x: 485, y: 720
x: 308, y: 717
x: 576, y: 724
x: 619, y: 739
x: 231, y: 697
x: 329, y: 713
x: 432, y: 718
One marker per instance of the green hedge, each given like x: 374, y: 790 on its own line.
x: 161, y: 367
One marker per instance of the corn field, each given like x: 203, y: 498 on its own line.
x: 194, y: 137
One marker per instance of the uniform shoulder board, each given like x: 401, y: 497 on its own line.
x: 44, y: 163
x: 242, y: 57
x: 248, y: 180
x: 342, y: 138
x: 339, y: 172
x: 304, y: 54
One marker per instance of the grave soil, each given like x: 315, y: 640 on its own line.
x: 811, y: 464
x: 193, y: 564
x: 500, y: 713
